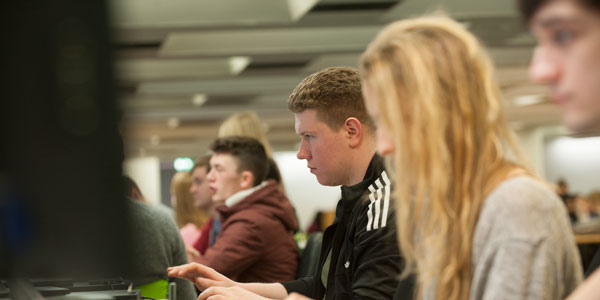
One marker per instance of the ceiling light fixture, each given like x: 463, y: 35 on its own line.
x: 173, y: 123
x: 199, y: 99
x: 237, y: 64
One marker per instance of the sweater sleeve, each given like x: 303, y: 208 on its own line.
x: 523, y: 269
x: 238, y: 246
x: 523, y: 247
x: 185, y: 289
x: 304, y: 286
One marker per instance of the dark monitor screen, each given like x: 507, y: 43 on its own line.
x: 62, y: 213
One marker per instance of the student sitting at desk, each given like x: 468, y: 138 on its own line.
x: 256, y: 241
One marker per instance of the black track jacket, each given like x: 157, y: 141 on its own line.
x: 365, y: 261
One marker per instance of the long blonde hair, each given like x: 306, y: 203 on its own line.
x: 246, y: 123
x: 437, y: 95
x: 185, y: 211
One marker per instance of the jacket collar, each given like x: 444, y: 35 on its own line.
x: 239, y: 196
x: 351, y: 194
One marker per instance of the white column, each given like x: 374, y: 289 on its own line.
x: 145, y: 171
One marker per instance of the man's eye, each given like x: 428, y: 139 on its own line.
x: 308, y: 136
x: 562, y: 37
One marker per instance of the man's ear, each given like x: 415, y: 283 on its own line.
x: 137, y: 195
x: 354, y: 131
x: 247, y: 180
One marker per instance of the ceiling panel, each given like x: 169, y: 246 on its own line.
x: 150, y: 69
x: 224, y: 86
x: 171, y: 52
x: 456, y: 8
x: 268, y: 41
x: 194, y: 13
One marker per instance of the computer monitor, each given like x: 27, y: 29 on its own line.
x: 62, y: 211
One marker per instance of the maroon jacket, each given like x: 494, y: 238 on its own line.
x: 256, y: 242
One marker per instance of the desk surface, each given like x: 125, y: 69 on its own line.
x: 98, y: 295
x: 588, y: 238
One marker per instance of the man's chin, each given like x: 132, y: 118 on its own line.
x: 326, y: 182
x: 575, y: 124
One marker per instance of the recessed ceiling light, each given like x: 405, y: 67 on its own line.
x: 237, y: 64
x: 173, y: 123
x: 199, y: 99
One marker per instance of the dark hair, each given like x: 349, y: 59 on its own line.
x: 129, y: 186
x: 203, y: 161
x: 335, y: 93
x: 273, y: 171
x: 529, y: 7
x: 249, y: 152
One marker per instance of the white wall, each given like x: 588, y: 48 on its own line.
x: 145, y: 171
x: 303, y: 189
x: 532, y: 142
x: 554, y: 155
x: 577, y: 160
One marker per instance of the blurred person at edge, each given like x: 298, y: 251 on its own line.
x: 567, y: 60
x: 191, y: 214
x: 187, y: 211
x: 202, y: 199
x: 249, y: 124
x: 246, y: 123
x: 156, y: 245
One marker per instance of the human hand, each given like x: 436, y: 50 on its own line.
x: 202, y: 276
x: 233, y: 293
x: 296, y: 296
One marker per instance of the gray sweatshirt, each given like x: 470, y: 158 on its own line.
x: 523, y: 246
x: 157, y: 245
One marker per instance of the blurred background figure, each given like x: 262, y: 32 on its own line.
x: 133, y: 191
x: 189, y: 216
x: 246, y: 123
x: 321, y: 220
x: 315, y: 225
x: 206, y: 236
x: 594, y: 198
x: 156, y: 246
x: 569, y: 201
x: 562, y: 188
x: 586, y: 211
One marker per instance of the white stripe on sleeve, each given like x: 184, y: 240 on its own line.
x: 386, y: 201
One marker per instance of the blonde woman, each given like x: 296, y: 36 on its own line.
x: 246, y: 123
x: 472, y: 224
x: 186, y: 211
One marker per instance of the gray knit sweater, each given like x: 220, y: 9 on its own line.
x: 523, y: 245
x: 157, y: 244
